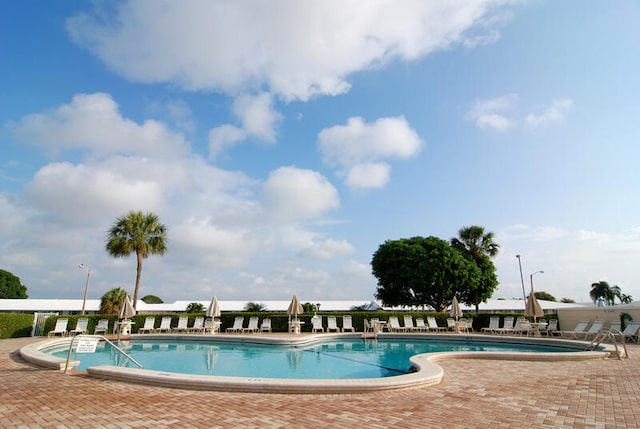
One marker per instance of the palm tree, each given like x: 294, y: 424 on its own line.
x: 194, y: 307
x: 479, y: 246
x: 602, y: 291
x: 137, y: 232
x: 474, y: 241
x: 111, y: 301
x: 255, y: 307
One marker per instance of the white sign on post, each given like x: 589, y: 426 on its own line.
x: 86, y: 345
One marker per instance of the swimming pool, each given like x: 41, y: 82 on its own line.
x: 354, y: 365
x: 336, y: 359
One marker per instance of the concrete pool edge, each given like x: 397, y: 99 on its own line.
x: 427, y: 371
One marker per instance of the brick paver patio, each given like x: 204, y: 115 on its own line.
x: 473, y: 394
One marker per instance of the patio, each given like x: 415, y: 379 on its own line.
x: 473, y: 394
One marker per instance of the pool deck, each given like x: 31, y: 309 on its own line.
x: 473, y: 394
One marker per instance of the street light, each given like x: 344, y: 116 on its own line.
x: 524, y: 295
x: 86, y: 286
x: 531, y: 278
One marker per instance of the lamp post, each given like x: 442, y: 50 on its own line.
x: 524, y: 295
x: 86, y: 287
x: 531, y: 278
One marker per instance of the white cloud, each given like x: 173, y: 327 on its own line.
x: 327, y: 249
x: 357, y: 146
x: 294, y: 49
x: 554, y: 113
x: 370, y: 175
x: 494, y: 113
x: 76, y: 126
x: 295, y: 194
x: 257, y: 117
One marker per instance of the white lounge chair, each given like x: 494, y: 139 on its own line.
x: 102, y: 327
x: 165, y: 325
x: 616, y: 325
x: 394, y: 325
x: 253, y: 325
x: 592, y: 331
x: 580, y: 328
x: 237, y: 325
x: 60, y: 328
x: 507, y: 326
x: 523, y: 326
x: 198, y: 325
x: 551, y: 328
x: 632, y: 332
x: 149, y: 326
x: 494, y: 323
x: 420, y: 325
x: 433, y: 324
x: 408, y: 324
x: 265, y: 326
x: 81, y: 327
x: 183, y: 322
x: 316, y: 324
x: 451, y: 324
x: 332, y: 324
x: 368, y: 326
x: 347, y: 324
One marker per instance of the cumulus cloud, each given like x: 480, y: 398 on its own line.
x: 556, y: 112
x: 295, y: 49
x: 494, y: 113
x: 257, y: 117
x: 357, y: 148
x: 292, y: 193
x: 93, y: 122
x: 327, y: 249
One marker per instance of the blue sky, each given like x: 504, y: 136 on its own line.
x: 282, y: 142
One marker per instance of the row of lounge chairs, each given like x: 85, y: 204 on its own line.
x: 393, y: 325
x: 586, y: 330
x: 519, y: 326
x: 81, y: 327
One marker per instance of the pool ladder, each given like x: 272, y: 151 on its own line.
x: 98, y: 337
x: 613, y: 336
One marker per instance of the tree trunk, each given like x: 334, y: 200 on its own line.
x: 138, y: 274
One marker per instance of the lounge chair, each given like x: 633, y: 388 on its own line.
x: 420, y: 325
x: 451, y: 324
x: 368, y: 326
x: 102, y: 327
x: 332, y: 324
x: 394, y: 325
x: 149, y: 326
x: 433, y: 324
x: 580, y: 328
x: 211, y: 326
x: 465, y: 325
x: 523, y: 327
x: 631, y: 332
x: 165, y: 325
x: 60, y: 328
x: 593, y: 330
x: 183, y: 322
x: 81, y: 327
x: 316, y: 324
x: 615, y: 325
x: 494, y: 323
x: 237, y: 325
x: 507, y: 326
x: 552, y: 328
x: 198, y: 325
x: 347, y: 324
x: 253, y: 325
x: 265, y: 326
x: 408, y: 324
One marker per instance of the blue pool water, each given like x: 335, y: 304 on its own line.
x: 339, y: 359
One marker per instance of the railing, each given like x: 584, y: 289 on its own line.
x: 614, y: 336
x: 118, y: 349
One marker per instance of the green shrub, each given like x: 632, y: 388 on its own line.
x: 14, y: 325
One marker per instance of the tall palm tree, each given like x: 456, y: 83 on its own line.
x: 111, y: 301
x: 602, y: 291
x: 137, y: 232
x: 475, y: 241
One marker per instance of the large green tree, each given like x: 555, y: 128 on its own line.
x: 11, y: 287
x: 139, y: 233
x: 422, y: 271
x: 111, y: 302
x: 479, y: 247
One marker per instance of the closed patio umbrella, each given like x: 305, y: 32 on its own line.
x: 127, y: 311
x: 455, y: 310
x: 295, y: 308
x: 214, y: 308
x: 533, y: 308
